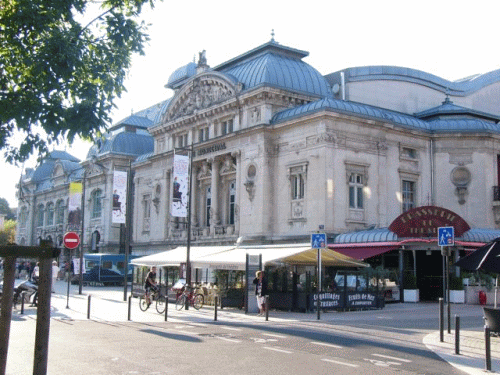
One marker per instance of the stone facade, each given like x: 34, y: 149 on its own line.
x: 277, y: 157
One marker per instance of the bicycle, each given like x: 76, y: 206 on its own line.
x: 195, y: 300
x: 155, y: 295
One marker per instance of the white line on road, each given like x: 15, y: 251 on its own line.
x: 271, y: 335
x: 325, y: 344
x: 394, y: 358
x: 338, y: 362
x: 277, y: 350
x: 226, y: 339
x: 230, y: 328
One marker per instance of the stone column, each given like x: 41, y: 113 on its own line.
x: 237, y: 156
x: 214, y: 211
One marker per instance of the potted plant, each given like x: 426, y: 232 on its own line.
x: 457, y: 292
x: 410, y: 290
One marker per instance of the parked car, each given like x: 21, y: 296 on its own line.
x: 101, y: 275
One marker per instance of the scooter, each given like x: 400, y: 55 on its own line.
x: 30, y: 287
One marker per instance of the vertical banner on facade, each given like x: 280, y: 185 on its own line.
x: 119, y: 197
x: 180, y: 188
x: 75, y: 206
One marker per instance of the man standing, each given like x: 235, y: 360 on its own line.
x: 260, y: 290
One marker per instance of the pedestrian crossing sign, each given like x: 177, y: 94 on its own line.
x: 318, y: 240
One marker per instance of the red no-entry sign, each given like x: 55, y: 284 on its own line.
x: 71, y: 240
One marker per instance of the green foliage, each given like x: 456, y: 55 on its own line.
x: 410, y: 281
x: 60, y: 73
x: 456, y: 283
x: 5, y: 209
x: 8, y: 233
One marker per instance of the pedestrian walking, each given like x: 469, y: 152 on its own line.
x: 55, y: 272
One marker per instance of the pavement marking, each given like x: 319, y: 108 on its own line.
x: 339, y: 363
x: 230, y: 328
x: 188, y: 332
x: 262, y: 341
x: 272, y: 335
x: 277, y: 350
x: 325, y: 344
x: 226, y: 339
x: 389, y: 357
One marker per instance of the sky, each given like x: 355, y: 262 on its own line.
x: 450, y: 39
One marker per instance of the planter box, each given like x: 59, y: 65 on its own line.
x: 411, y: 295
x: 457, y: 296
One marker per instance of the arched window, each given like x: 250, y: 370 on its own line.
x: 23, y: 217
x: 96, y: 204
x: 50, y: 213
x: 60, y: 212
x: 39, y: 215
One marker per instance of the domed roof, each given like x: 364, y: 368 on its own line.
x: 178, y: 77
x: 274, y: 65
x: 126, y: 143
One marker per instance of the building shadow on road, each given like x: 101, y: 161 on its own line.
x: 172, y: 336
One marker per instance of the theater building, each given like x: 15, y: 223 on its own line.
x: 377, y: 157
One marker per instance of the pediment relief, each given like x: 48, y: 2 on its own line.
x: 200, y: 93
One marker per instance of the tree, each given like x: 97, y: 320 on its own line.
x: 8, y: 233
x: 5, y: 209
x: 62, y: 64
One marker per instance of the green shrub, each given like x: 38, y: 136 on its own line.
x: 456, y: 283
x: 410, y: 281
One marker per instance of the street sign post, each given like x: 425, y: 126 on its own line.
x: 446, y: 238
x: 71, y: 240
x: 318, y: 241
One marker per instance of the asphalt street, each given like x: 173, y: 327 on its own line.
x: 400, y: 338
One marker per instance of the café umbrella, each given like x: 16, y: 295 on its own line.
x: 486, y: 258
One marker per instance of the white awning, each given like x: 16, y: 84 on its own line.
x: 178, y: 255
x: 234, y: 258
x: 302, y: 254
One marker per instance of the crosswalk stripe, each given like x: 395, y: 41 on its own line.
x: 339, y: 363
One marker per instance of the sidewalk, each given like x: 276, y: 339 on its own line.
x: 107, y: 305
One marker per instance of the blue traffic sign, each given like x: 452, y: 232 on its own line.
x: 446, y: 236
x: 318, y: 240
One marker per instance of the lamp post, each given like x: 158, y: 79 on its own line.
x: 80, y: 276
x: 188, y: 215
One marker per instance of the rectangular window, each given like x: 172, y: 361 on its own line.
x: 356, y: 190
x: 297, y: 186
x: 208, y: 203
x: 227, y: 127
x: 107, y: 265
x: 146, y: 204
x: 408, y: 195
x: 232, y: 202
x: 203, y: 134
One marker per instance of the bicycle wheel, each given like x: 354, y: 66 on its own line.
x: 143, y: 304
x: 198, y: 301
x: 161, y: 303
x: 181, y: 301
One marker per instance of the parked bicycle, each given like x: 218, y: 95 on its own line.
x: 155, y: 296
x: 194, y: 299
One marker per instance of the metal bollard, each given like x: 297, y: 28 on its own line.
x: 166, y: 308
x: 441, y: 320
x: 88, y: 306
x: 457, y: 334
x: 23, y: 296
x: 318, y: 307
x: 129, y: 307
x: 267, y: 307
x: 215, y: 309
x: 487, y: 346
